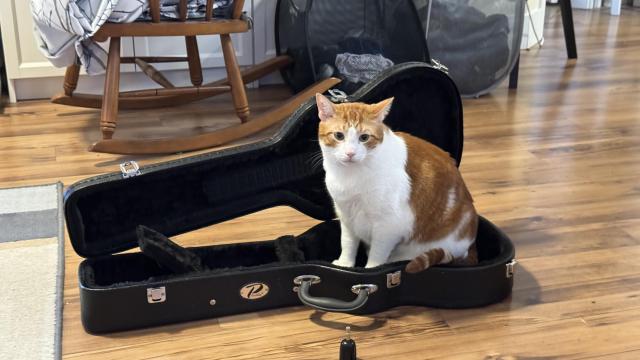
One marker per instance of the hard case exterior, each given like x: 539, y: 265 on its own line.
x: 128, y: 291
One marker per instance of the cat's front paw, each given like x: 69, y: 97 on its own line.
x: 372, y: 264
x: 343, y: 263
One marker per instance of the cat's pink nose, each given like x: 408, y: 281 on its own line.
x: 350, y: 154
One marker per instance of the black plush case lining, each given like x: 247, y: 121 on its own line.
x: 172, y: 198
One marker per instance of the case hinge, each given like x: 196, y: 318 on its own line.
x: 511, y: 267
x: 156, y: 295
x: 129, y: 169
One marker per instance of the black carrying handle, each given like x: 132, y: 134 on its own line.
x: 330, y: 304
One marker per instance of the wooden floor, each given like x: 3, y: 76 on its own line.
x: 556, y: 165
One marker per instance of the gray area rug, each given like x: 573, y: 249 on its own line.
x: 31, y: 272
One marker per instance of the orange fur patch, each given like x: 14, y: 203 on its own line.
x: 434, y: 175
x: 362, y: 117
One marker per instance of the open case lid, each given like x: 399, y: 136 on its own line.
x: 178, y: 196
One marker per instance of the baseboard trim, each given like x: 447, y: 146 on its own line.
x: 44, y: 88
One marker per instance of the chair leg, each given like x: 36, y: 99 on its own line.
x: 513, y: 75
x: 567, y: 23
x: 109, y: 115
x: 235, y: 78
x: 71, y: 79
x: 195, y: 68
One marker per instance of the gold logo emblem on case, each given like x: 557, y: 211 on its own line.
x: 254, y: 291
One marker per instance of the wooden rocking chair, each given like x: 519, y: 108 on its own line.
x: 170, y: 95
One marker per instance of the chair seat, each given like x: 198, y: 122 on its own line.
x: 172, y: 28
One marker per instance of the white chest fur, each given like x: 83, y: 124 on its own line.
x: 372, y: 196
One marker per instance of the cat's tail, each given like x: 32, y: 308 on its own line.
x: 429, y: 258
x: 441, y: 256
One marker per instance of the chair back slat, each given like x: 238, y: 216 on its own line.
x: 237, y: 9
x: 183, y: 10
x: 208, y: 11
x: 154, y: 6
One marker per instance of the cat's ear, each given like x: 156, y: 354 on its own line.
x: 381, y: 109
x: 325, y: 107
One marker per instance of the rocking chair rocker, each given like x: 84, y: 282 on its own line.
x: 170, y: 95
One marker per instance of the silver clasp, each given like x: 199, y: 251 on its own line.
x: 370, y: 288
x: 439, y: 66
x: 394, y: 279
x: 313, y: 278
x: 156, y: 295
x: 338, y: 96
x: 302, y: 278
x: 129, y: 169
x: 511, y: 268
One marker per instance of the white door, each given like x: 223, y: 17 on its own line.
x: 27, y: 68
x: 31, y: 75
x: 264, y: 19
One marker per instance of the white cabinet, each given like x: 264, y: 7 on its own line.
x: 534, y: 28
x: 264, y: 24
x: 22, y: 58
x: 264, y: 19
x: 30, y: 74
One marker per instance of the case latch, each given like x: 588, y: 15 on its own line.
x: 439, y: 66
x: 156, y: 295
x: 511, y: 267
x: 394, y: 279
x: 338, y: 96
x: 129, y: 169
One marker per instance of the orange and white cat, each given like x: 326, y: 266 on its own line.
x: 400, y: 195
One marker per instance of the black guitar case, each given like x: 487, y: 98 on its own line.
x: 165, y: 283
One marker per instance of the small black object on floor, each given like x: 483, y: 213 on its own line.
x: 348, y: 347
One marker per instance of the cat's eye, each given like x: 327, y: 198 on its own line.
x: 338, y: 135
x: 364, y: 137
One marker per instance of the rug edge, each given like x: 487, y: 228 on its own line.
x: 60, y: 275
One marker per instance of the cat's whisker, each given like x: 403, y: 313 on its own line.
x: 315, y: 160
x: 317, y: 164
x: 315, y: 156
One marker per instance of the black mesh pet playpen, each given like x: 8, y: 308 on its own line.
x: 353, y: 40
x: 477, y: 40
